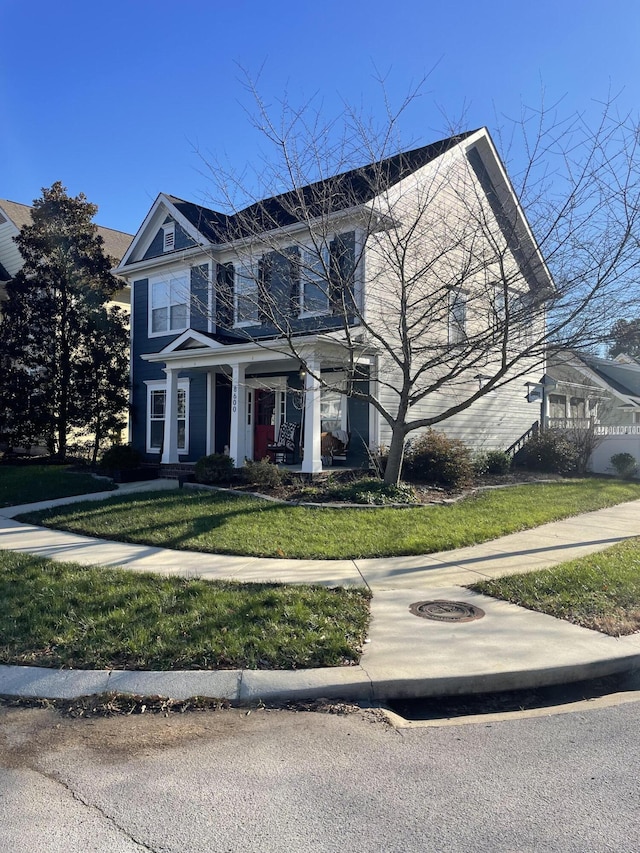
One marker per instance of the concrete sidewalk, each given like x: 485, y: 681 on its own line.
x: 405, y: 656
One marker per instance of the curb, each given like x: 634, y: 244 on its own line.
x: 253, y: 686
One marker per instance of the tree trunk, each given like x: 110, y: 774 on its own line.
x: 394, y: 460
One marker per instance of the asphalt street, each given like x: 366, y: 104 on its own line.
x: 282, y: 781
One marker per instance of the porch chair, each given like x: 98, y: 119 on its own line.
x: 284, y: 448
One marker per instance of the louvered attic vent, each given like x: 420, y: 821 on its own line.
x: 169, y: 237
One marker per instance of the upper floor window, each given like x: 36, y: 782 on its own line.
x: 169, y: 237
x: 168, y: 305
x: 245, y: 296
x: 457, y: 316
x: 314, y: 282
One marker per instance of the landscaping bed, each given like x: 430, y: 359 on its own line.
x: 65, y: 615
x: 601, y: 591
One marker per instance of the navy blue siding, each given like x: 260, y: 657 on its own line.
x: 182, y: 241
x: 197, y: 415
x: 144, y: 371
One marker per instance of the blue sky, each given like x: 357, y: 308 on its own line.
x: 114, y: 99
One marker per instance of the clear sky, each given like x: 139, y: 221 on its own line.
x: 114, y: 98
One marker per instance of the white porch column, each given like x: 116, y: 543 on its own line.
x: 312, y: 461
x: 170, y: 443
x: 237, y: 449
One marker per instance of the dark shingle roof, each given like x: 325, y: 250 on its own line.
x: 339, y: 192
x: 116, y: 243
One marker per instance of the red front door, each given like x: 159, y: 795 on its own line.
x: 264, y: 429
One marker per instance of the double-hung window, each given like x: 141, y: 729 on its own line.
x: 245, y: 296
x: 457, y: 316
x: 168, y: 305
x: 157, y: 413
x: 314, y: 281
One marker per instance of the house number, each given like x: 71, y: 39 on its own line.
x: 234, y: 401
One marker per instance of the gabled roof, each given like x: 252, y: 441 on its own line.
x: 116, y: 243
x: 338, y: 192
x: 622, y: 378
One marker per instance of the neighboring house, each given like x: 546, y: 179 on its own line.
x: 14, y: 216
x: 210, y: 374
x: 586, y: 390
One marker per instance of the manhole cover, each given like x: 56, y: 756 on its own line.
x: 446, y: 611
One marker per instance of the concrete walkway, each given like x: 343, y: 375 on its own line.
x: 405, y: 656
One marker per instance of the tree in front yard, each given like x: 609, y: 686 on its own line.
x: 63, y: 351
x: 463, y: 294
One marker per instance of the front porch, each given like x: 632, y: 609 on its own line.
x: 236, y: 400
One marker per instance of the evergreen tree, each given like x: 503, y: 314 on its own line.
x: 625, y: 338
x: 63, y: 353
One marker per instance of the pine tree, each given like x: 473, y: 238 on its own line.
x: 62, y: 351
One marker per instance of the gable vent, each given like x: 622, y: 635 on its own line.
x: 169, y: 237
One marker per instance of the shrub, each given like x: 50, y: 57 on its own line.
x: 121, y: 457
x: 549, y: 451
x: 625, y: 465
x: 435, y: 458
x: 372, y: 491
x: 262, y: 473
x: 498, y: 462
x: 492, y: 462
x: 216, y: 468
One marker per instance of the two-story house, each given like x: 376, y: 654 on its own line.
x: 309, y: 307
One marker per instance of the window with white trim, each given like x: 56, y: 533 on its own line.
x: 168, y: 304
x: 314, y: 282
x: 457, y: 316
x: 245, y: 296
x: 157, y: 411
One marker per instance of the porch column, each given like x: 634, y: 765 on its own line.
x: 170, y: 443
x: 237, y: 449
x: 312, y: 461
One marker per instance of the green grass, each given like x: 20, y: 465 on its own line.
x: 601, y: 591
x: 21, y: 484
x: 238, y: 524
x: 65, y: 615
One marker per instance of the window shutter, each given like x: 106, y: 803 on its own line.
x: 265, y: 268
x: 342, y: 252
x: 225, y: 276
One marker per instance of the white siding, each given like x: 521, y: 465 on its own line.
x: 455, y: 241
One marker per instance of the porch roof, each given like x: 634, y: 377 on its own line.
x: 193, y: 349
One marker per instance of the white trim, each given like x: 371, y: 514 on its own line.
x: 161, y: 385
x: 142, y: 239
x: 192, y: 335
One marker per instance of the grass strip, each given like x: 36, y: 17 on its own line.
x: 66, y: 615
x: 226, y: 523
x: 21, y: 484
x: 601, y: 591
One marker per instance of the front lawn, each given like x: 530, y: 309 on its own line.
x: 65, y: 615
x: 601, y: 591
x: 22, y: 484
x: 227, y: 523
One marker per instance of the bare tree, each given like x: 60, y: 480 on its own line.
x: 419, y: 270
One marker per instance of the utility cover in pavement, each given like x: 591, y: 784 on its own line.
x: 446, y: 611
